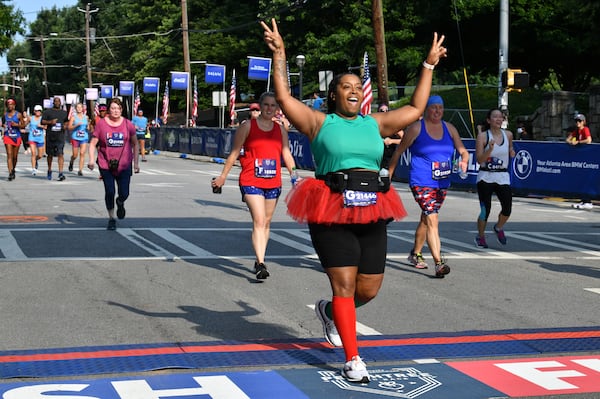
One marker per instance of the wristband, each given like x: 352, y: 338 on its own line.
x: 428, y: 66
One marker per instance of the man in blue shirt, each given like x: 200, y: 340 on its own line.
x: 317, y: 101
x: 141, y: 124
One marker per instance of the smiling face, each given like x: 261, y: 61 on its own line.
x: 434, y: 113
x: 496, y: 119
x: 268, y: 107
x: 347, y: 95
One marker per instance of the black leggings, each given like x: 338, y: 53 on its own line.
x: 502, y: 191
x: 123, y: 180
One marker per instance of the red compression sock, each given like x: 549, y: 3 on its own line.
x: 344, y: 316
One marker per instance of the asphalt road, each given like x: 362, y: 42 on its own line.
x: 179, y: 266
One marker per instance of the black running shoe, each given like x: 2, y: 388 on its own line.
x: 112, y: 224
x: 441, y: 269
x: 120, y: 209
x: 261, y: 271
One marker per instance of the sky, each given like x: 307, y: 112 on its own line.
x: 30, y: 9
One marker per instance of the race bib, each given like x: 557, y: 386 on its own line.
x: 57, y: 127
x: 265, y: 168
x: 441, y: 170
x: 359, y: 198
x: 11, y: 132
x: 37, y: 132
x: 494, y: 163
x: 115, y: 139
x: 80, y: 134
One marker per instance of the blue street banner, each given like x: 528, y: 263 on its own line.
x: 107, y: 91
x: 126, y: 87
x: 180, y: 80
x: 151, y: 85
x: 215, y: 74
x: 259, y: 68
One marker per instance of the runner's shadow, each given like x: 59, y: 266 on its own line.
x: 222, y: 204
x: 587, y: 271
x: 226, y: 325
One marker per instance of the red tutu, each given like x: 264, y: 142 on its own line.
x: 311, y: 201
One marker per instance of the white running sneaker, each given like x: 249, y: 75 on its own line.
x: 329, y: 330
x: 356, y: 371
x: 34, y: 172
x: 583, y: 205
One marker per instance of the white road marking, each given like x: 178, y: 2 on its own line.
x: 302, y: 248
x: 145, y: 244
x: 9, y: 246
x: 154, y: 172
x: 360, y: 328
x: 187, y: 246
x: 594, y: 290
x: 291, y: 243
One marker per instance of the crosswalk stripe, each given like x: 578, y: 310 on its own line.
x: 544, y: 241
x: 143, y: 243
x: 156, y: 172
x: 303, y: 249
x: 187, y: 246
x: 9, y: 246
x: 290, y: 243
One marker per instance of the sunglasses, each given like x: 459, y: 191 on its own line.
x: 578, y: 120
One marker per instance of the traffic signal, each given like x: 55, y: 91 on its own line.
x: 515, y: 79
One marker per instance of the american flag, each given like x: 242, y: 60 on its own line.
x: 165, y: 109
x: 136, y: 101
x: 195, y: 104
x: 96, y: 109
x: 232, y: 99
x: 365, y: 107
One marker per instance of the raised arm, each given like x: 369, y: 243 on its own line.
x: 392, y: 121
x: 304, y: 118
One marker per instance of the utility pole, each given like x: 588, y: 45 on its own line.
x: 186, y: 56
x: 43, y: 53
x: 381, y: 53
x: 503, y: 58
x: 88, y: 62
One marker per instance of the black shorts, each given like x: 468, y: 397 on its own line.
x: 362, y: 245
x: 55, y: 148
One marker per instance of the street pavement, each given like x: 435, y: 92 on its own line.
x: 178, y: 269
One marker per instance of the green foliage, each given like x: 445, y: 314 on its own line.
x: 553, y: 40
x: 11, y: 23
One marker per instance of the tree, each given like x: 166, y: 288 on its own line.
x: 11, y: 24
x: 553, y: 40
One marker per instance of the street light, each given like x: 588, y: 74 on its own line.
x: 22, y: 77
x: 300, y: 61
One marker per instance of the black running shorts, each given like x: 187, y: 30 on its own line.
x: 362, y: 245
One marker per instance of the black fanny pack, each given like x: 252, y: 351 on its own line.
x: 488, y: 169
x: 356, y: 180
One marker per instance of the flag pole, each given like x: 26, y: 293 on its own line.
x: 157, y: 95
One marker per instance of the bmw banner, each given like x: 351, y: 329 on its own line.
x: 259, y: 68
x: 215, y: 74
x: 107, y: 91
x: 180, y: 80
x: 151, y: 85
